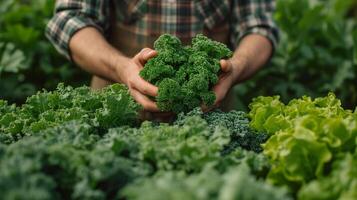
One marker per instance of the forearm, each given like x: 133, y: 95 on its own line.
x: 90, y: 50
x: 253, y: 52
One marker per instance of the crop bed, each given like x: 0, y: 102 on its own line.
x: 74, y: 143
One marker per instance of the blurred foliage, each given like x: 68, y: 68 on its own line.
x: 28, y: 62
x: 317, y: 53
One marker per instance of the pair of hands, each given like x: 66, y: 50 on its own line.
x: 140, y: 89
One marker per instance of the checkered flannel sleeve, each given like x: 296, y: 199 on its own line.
x: 73, y: 15
x: 254, y: 16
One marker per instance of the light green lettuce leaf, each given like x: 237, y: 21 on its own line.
x: 340, y: 184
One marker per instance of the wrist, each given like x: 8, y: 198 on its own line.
x: 119, y: 66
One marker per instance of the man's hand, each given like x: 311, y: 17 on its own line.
x: 138, y: 87
x: 253, y: 52
x: 231, y: 69
x: 103, y: 60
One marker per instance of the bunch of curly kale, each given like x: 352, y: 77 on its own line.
x: 185, y: 74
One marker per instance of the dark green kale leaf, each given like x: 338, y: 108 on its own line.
x: 188, y: 146
x: 185, y: 75
x: 236, y: 122
x: 64, y: 162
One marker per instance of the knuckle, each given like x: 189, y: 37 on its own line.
x: 145, y: 90
x: 137, y: 55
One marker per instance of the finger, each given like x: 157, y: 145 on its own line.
x: 220, y: 94
x: 144, y: 87
x: 221, y: 90
x: 219, y: 97
x: 143, y: 51
x: 226, y: 65
x: 146, y: 54
x: 147, y: 104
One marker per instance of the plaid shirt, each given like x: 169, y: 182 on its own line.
x: 183, y: 18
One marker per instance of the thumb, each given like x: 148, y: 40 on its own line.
x: 146, y: 54
x: 226, y: 65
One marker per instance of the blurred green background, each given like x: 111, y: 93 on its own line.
x: 317, y: 53
x: 28, y: 61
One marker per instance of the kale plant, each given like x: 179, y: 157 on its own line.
x: 185, y: 74
x: 110, y: 107
x: 237, y: 123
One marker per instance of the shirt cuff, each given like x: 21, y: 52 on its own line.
x: 262, y: 25
x: 63, y: 26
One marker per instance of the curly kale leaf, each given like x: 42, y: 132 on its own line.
x: 170, y: 50
x: 188, y: 147
x: 65, y: 162
x: 169, y: 94
x: 214, y: 49
x: 185, y: 75
x: 237, y: 123
x: 235, y: 183
x: 110, y: 107
x: 157, y: 70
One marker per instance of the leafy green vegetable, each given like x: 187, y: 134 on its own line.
x: 344, y: 173
x: 188, y: 147
x: 236, y: 183
x: 110, y: 107
x: 74, y: 143
x: 185, y: 75
x: 61, y: 163
x: 11, y: 59
x: 308, y: 136
x: 237, y: 123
